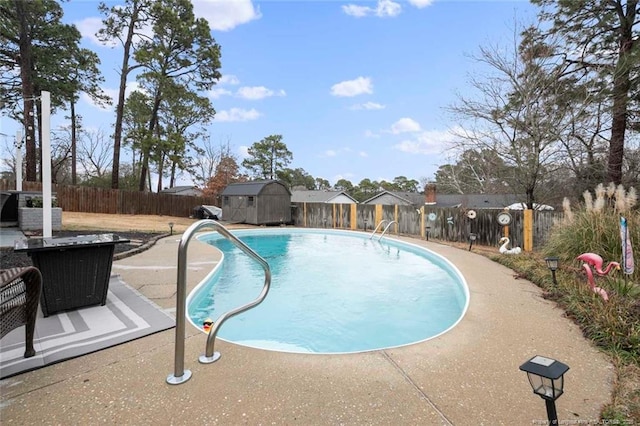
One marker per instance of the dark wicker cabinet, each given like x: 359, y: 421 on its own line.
x: 75, y: 270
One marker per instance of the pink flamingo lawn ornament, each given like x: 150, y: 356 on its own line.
x: 595, y: 261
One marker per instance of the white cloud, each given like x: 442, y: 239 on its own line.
x: 330, y: 153
x: 405, y: 125
x: 368, y: 106
x: 427, y: 142
x: 218, y: 92
x: 421, y: 3
x: 245, y: 92
x: 91, y: 102
x: 349, y: 88
x: 222, y: 15
x: 388, y: 8
x: 243, y: 151
x: 88, y: 28
x: 229, y: 79
x: 384, y: 9
x: 363, y: 154
x: 225, y: 15
x: 238, y: 114
x: 257, y: 92
x: 113, y: 94
x: 357, y: 11
x: 370, y: 134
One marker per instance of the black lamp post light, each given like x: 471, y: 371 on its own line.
x: 552, y: 264
x: 546, y: 377
x: 472, y: 238
x: 170, y: 228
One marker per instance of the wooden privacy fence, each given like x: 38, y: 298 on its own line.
x: 448, y: 224
x: 114, y: 201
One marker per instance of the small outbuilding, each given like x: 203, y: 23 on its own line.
x: 266, y: 202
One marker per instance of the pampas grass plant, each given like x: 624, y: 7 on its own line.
x: 595, y: 228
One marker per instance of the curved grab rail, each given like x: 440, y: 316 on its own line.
x: 383, y: 221
x: 181, y: 375
x: 386, y: 229
x: 211, y: 356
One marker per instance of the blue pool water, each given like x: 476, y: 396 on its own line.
x: 331, y: 292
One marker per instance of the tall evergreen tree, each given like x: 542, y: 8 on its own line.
x: 38, y: 44
x: 181, y: 52
x: 601, y: 37
x: 122, y: 23
x: 268, y: 157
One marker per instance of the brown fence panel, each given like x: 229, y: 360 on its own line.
x: 73, y: 198
x: 449, y: 224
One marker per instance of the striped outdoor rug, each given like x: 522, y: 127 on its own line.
x: 127, y: 315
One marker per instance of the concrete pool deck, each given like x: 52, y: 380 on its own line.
x: 468, y: 376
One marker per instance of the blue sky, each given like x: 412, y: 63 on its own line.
x: 357, y: 89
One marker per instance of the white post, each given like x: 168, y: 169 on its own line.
x: 18, y: 146
x: 46, y: 163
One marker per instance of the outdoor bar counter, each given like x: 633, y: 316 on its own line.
x: 75, y: 270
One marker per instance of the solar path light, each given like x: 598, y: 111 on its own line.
x: 546, y: 377
x: 472, y: 238
x: 552, y: 264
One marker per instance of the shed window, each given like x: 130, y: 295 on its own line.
x: 250, y: 201
x: 225, y: 200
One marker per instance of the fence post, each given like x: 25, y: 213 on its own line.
x: 378, y: 215
x: 354, y: 216
x: 528, y: 230
x: 395, y: 217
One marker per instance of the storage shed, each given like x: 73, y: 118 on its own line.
x: 265, y: 202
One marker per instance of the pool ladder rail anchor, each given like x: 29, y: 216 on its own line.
x: 180, y: 375
x: 382, y: 222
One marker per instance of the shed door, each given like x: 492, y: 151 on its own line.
x: 237, y: 209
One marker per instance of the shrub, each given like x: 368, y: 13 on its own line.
x: 37, y: 202
x: 596, y: 227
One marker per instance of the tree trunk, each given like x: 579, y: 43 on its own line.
x: 172, y: 181
x: 621, y: 87
x: 26, y: 76
x: 160, y: 172
x: 124, y: 72
x: 152, y: 125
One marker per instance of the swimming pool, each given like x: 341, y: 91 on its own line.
x: 332, y: 292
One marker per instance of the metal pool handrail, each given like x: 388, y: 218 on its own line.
x: 383, y: 221
x: 180, y: 375
x: 386, y: 228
